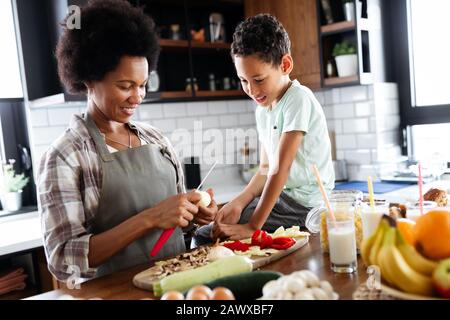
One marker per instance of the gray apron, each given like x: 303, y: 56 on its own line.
x: 133, y: 180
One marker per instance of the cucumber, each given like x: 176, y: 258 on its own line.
x: 184, y: 280
x: 246, y: 286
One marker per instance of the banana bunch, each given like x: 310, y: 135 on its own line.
x: 400, y: 264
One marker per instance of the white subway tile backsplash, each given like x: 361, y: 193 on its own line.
x: 320, y: 96
x: 217, y: 107
x: 387, y: 107
x: 61, y: 116
x: 388, y: 123
x: 335, y: 126
x: 361, y: 172
x: 38, y: 151
x: 228, y: 120
x: 345, y: 141
x: 340, y: 155
x: 385, y: 90
x: 185, y: 123
x: 247, y: 119
x: 365, y: 141
x: 352, y: 94
x: 210, y: 122
x: 46, y: 135
x: 165, y: 125
x: 361, y: 156
x: 329, y: 112
x: 237, y: 106
x: 342, y: 111
x: 363, y: 109
x: 251, y: 105
x: 355, y: 125
x: 196, y: 108
x: 174, y: 110
x: 150, y: 111
x: 39, y: 117
x: 332, y: 97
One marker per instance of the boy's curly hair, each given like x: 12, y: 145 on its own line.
x: 110, y: 29
x: 262, y: 35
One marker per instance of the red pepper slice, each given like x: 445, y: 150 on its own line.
x: 282, y: 243
x: 237, y: 245
x: 266, y: 240
x: 255, y: 237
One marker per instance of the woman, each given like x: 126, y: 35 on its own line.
x: 107, y: 186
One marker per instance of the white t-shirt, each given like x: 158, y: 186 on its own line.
x: 299, y: 110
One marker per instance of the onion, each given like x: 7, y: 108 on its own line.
x: 205, y: 198
x: 218, y: 252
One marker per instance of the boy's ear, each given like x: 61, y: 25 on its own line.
x: 287, y: 64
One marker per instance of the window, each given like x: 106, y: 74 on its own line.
x: 10, y: 84
x: 429, y: 52
x: 418, y: 32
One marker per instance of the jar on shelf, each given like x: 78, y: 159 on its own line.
x: 345, y: 201
x: 191, y: 82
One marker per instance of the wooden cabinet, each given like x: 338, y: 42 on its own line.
x: 299, y: 17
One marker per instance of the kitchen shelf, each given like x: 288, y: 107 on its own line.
x: 169, y: 43
x: 336, y: 81
x: 180, y: 44
x: 342, y: 26
x: 220, y: 93
x: 210, y: 45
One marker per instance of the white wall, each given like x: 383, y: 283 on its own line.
x: 366, y: 121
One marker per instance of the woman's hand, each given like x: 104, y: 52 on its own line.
x: 175, y: 211
x: 206, y: 215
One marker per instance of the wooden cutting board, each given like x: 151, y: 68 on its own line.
x: 144, y: 281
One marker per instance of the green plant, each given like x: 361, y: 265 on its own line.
x: 343, y: 48
x: 12, y: 182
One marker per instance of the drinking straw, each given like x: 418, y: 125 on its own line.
x: 370, y: 187
x: 420, y: 182
x: 324, y: 194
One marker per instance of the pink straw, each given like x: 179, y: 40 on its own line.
x: 420, y: 189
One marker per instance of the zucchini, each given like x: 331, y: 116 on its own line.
x: 184, y: 280
x: 246, y: 286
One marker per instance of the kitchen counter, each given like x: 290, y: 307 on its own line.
x: 20, y: 233
x: 120, y: 286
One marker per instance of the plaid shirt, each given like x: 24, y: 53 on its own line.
x: 69, y: 183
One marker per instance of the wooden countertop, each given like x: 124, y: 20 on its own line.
x: 119, y: 285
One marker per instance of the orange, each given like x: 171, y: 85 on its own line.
x: 406, y: 228
x: 432, y: 234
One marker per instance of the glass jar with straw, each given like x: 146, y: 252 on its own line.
x: 340, y: 229
x: 316, y: 218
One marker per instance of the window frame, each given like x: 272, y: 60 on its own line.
x: 410, y: 114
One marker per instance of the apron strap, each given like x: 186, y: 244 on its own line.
x: 100, y: 143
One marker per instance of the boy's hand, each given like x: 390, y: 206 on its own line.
x: 208, y: 214
x: 229, y: 214
x: 232, y: 231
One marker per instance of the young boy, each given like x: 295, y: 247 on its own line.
x: 293, y: 133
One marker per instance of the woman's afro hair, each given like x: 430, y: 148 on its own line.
x: 110, y: 29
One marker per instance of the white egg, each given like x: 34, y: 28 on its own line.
x: 319, y: 294
x: 205, y: 198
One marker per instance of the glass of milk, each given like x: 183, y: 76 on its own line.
x: 342, y: 239
x: 413, y: 209
x: 371, y: 217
